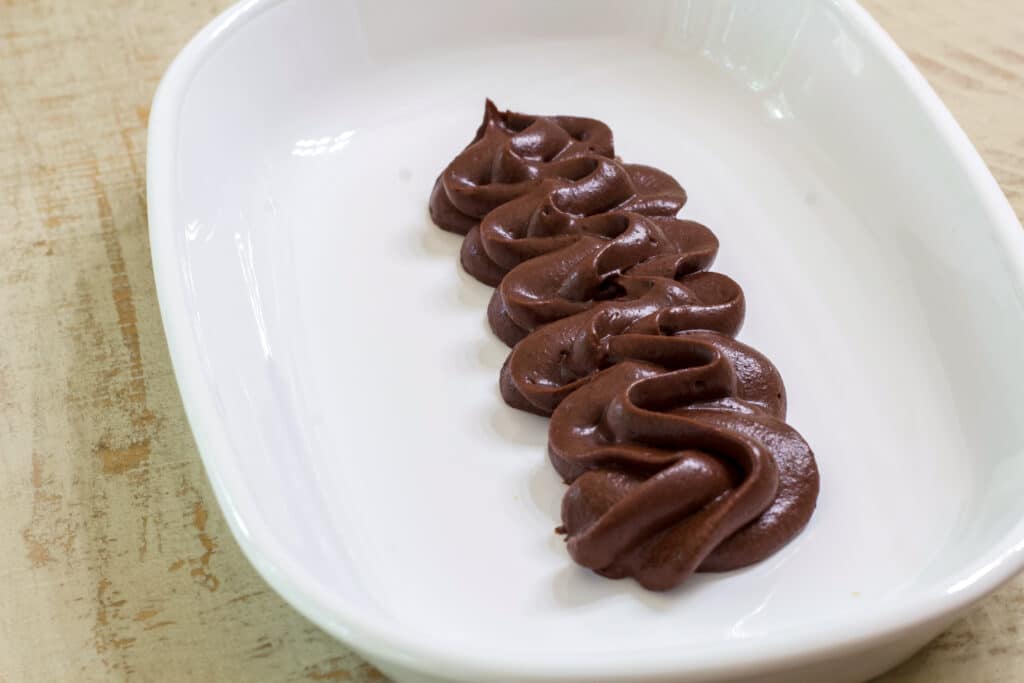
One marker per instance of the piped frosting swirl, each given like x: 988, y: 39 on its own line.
x: 670, y: 433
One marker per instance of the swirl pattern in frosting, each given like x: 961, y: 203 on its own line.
x: 670, y: 433
x: 509, y: 155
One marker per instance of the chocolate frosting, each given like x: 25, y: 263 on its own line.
x: 559, y: 358
x: 556, y: 213
x: 680, y: 460
x: 507, y: 157
x: 671, y: 433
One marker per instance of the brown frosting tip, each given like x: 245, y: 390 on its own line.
x: 509, y: 155
x: 670, y: 433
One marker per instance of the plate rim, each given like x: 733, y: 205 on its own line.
x: 383, y: 639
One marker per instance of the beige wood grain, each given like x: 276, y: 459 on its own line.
x: 118, y: 564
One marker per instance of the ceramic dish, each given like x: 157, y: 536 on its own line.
x: 341, y: 382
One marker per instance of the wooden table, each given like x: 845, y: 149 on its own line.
x: 117, y: 562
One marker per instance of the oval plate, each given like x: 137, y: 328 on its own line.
x: 341, y: 382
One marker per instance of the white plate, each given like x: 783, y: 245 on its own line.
x: 342, y: 383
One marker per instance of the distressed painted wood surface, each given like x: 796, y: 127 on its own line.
x: 117, y: 562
